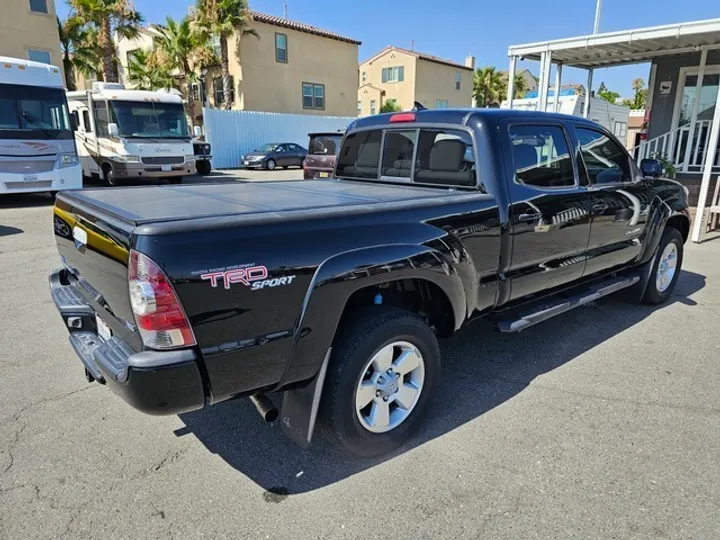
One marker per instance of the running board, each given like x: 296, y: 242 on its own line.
x: 550, y: 309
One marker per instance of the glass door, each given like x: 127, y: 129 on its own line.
x: 705, y: 111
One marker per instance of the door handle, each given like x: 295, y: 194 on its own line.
x: 529, y: 217
x: 600, y: 207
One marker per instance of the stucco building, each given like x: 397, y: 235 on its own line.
x: 28, y: 29
x: 406, y: 76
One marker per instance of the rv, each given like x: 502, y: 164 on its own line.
x: 131, y: 134
x: 37, y: 149
x: 613, y: 117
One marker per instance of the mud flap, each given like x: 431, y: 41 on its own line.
x: 300, y: 408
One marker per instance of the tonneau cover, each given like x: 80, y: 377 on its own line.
x: 153, y: 204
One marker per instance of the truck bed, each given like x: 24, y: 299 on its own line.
x: 153, y: 204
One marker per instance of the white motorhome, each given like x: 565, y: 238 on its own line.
x: 613, y: 117
x: 131, y: 134
x: 37, y: 148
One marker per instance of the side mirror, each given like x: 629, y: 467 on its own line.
x: 197, y: 131
x: 74, y: 120
x: 652, y: 168
x: 113, y: 130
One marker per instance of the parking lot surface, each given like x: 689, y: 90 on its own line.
x: 602, y: 423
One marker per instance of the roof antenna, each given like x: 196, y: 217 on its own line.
x: 412, y: 45
x: 285, y: 11
x: 417, y: 106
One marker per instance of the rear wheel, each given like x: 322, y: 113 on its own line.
x: 270, y: 165
x: 666, y: 268
x: 382, y: 376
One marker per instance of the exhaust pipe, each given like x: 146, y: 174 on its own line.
x: 265, y: 407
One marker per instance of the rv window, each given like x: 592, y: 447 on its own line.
x: 86, y: 121
x: 101, y: 119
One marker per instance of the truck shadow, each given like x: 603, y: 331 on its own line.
x: 26, y: 200
x: 482, y: 369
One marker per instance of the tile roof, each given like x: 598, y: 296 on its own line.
x: 300, y: 27
x: 422, y: 56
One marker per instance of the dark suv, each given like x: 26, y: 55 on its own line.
x: 321, y: 155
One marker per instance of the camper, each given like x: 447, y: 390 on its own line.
x: 37, y: 149
x: 131, y: 134
x: 613, y: 117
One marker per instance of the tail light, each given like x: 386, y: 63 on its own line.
x: 160, y: 318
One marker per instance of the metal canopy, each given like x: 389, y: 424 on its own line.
x: 625, y: 47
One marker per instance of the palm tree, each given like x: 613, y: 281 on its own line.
x: 147, y: 72
x: 223, y: 18
x: 109, y: 17
x: 80, y: 53
x: 184, y: 49
x: 487, y: 86
x: 519, y: 89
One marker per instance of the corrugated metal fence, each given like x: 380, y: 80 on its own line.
x: 234, y: 133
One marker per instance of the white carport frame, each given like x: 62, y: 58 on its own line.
x: 622, y: 48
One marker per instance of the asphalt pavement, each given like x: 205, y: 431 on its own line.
x: 602, y: 423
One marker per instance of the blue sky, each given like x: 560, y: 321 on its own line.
x: 453, y: 28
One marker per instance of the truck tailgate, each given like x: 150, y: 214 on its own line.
x: 94, y: 247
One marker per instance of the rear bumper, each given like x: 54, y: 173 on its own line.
x: 154, y: 382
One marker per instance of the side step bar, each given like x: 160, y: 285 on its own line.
x: 550, y: 309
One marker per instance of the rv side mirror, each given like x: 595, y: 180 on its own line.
x: 197, y: 131
x: 652, y: 168
x: 74, y: 120
x: 113, y: 130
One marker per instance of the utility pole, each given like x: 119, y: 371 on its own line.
x: 588, y: 90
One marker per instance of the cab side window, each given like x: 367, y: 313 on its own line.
x: 541, y: 156
x: 606, y: 161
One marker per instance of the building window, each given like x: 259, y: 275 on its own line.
x: 458, y: 79
x: 364, y: 76
x: 218, y: 91
x: 441, y: 103
x: 130, y: 55
x: 38, y: 6
x: 195, y: 91
x: 281, y: 52
x: 359, y: 108
x: 39, y: 56
x: 373, y: 106
x: 217, y: 47
x: 620, y: 130
x: 313, y: 96
x: 393, y: 74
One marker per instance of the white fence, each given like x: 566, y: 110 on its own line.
x: 234, y: 133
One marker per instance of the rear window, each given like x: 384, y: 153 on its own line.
x: 324, y: 145
x: 425, y: 156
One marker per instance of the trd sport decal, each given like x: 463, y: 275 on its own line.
x: 250, y: 275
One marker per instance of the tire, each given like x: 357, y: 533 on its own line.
x: 270, y: 165
x: 664, y: 276
x: 203, y: 167
x: 302, y: 163
x: 109, y: 176
x: 358, y: 344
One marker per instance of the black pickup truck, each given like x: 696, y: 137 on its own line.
x: 331, y: 294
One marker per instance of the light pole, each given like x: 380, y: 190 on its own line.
x: 598, y: 10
